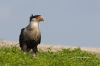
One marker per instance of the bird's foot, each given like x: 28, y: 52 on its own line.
x: 34, y: 55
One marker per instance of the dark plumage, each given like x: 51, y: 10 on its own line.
x: 30, y: 36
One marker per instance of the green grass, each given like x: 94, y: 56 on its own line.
x: 13, y: 56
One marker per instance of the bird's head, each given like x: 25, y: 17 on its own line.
x: 36, y: 18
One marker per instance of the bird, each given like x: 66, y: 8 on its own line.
x: 30, y: 36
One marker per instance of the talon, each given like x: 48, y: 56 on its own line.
x: 33, y: 55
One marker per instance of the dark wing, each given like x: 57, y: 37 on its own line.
x: 39, y: 41
x: 21, y: 38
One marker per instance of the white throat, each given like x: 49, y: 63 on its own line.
x: 34, y: 24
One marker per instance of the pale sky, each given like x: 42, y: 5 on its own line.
x: 67, y: 22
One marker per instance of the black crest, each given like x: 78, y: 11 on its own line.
x: 35, y: 16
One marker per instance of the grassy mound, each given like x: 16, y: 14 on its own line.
x: 13, y: 56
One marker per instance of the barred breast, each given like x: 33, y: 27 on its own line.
x: 33, y: 34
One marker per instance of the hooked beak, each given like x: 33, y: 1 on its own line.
x: 42, y: 19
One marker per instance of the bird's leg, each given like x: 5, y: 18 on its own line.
x: 24, y: 48
x: 34, y: 50
x: 28, y: 50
